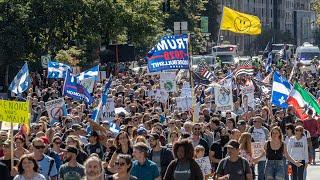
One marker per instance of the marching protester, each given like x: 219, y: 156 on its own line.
x: 28, y: 169
x: 123, y: 166
x: 94, y: 168
x: 298, y: 150
x: 183, y: 166
x: 71, y: 169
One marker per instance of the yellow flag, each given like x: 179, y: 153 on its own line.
x: 240, y: 22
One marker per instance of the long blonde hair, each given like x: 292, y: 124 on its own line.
x: 245, y: 142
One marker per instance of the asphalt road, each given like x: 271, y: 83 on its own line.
x: 314, y: 170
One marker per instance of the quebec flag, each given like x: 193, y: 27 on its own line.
x: 93, y: 72
x: 171, y: 52
x: 21, y: 81
x: 57, y: 70
x: 75, y: 90
x: 281, y: 89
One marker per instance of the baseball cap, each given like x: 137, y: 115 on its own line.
x: 141, y: 130
x: 72, y: 149
x: 154, y: 136
x: 233, y: 144
x: 93, y: 133
x: 241, y: 122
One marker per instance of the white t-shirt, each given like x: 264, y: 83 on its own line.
x: 36, y: 177
x: 258, y: 135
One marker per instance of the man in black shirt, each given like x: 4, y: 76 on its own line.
x: 233, y: 167
x: 94, y: 145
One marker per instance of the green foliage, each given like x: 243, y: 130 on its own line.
x: 70, y: 56
x: 279, y: 37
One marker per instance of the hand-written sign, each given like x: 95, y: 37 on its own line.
x: 14, y: 111
x: 204, y: 164
x: 257, y: 149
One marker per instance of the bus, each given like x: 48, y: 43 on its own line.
x: 226, y: 53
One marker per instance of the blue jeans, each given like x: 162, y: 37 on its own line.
x: 286, y: 170
x: 274, y: 170
x: 261, y: 166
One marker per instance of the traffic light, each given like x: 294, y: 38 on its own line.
x: 166, y: 5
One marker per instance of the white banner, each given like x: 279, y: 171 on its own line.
x: 257, y: 149
x: 184, y: 103
x: 108, y: 112
x: 223, y: 98
x: 186, y: 90
x: 167, y: 81
x: 88, y: 83
x: 248, y: 98
x: 204, y: 164
x: 56, y: 108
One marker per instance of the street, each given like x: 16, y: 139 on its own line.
x: 314, y: 170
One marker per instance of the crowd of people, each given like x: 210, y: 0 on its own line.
x: 156, y: 140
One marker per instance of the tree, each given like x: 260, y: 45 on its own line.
x: 189, y: 11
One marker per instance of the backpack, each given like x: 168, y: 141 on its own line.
x: 50, y: 166
x: 228, y: 158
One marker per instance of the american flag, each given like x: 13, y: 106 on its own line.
x: 204, y: 72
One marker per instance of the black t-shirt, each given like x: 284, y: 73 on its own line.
x: 8, y: 164
x: 234, y: 169
x: 4, y: 171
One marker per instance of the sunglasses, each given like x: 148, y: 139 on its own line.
x: 39, y: 147
x: 197, y: 129
x: 57, y: 142
x: 117, y: 163
x: 298, y: 130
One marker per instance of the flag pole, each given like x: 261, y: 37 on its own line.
x: 219, y: 32
x: 191, y: 78
x: 11, y: 145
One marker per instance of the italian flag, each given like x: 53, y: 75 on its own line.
x: 302, y: 100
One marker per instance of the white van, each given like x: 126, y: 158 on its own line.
x: 305, y: 54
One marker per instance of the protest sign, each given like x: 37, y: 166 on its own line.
x: 88, y: 83
x: 109, y: 110
x: 167, y: 81
x: 204, y: 164
x: 257, y: 149
x: 7, y: 126
x: 223, y: 98
x: 186, y: 90
x: 248, y: 98
x: 56, y: 109
x: 14, y: 111
x: 184, y: 103
x: 171, y: 52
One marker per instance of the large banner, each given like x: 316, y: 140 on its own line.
x: 75, y: 90
x: 14, y: 111
x: 184, y: 103
x: 223, y: 98
x: 170, y: 53
x: 167, y: 81
x: 56, y: 109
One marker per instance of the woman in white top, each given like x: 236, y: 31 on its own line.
x: 28, y: 169
x: 298, y: 150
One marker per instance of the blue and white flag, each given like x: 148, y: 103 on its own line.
x: 57, y: 70
x: 90, y: 73
x: 97, y: 111
x: 170, y: 53
x: 281, y: 89
x: 72, y: 88
x: 269, y: 63
x: 21, y: 81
